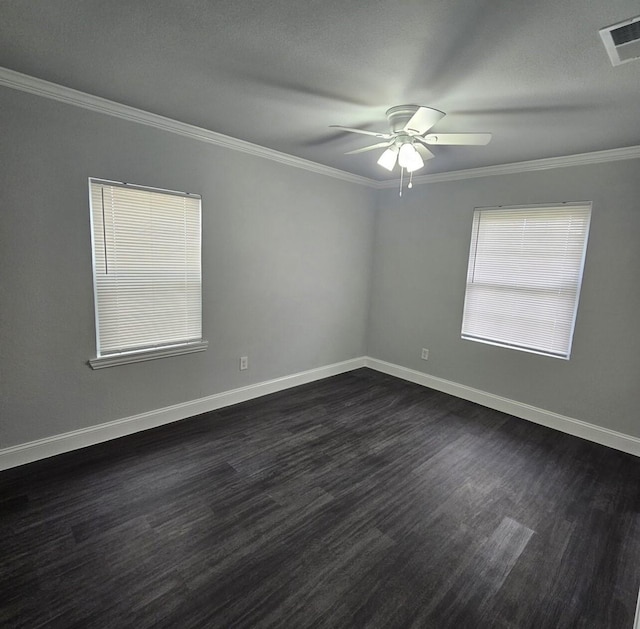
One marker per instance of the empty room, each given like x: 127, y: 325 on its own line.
x: 320, y: 314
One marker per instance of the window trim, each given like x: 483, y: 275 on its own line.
x: 112, y: 359
x: 138, y: 356
x: 532, y: 206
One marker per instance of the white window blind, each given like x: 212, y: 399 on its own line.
x: 524, y: 276
x: 147, y: 269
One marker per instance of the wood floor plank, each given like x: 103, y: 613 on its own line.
x: 356, y: 501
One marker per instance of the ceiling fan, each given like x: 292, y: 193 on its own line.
x: 406, y: 143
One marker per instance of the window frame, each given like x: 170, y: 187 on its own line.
x: 584, y: 205
x: 155, y: 351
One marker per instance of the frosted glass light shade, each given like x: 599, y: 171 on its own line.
x: 409, y: 158
x: 388, y: 158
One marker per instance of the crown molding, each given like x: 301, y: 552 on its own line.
x: 547, y: 163
x: 46, y: 89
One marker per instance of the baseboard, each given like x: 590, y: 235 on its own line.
x: 576, y: 427
x: 66, y: 442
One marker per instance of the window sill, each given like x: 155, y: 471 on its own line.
x: 147, y: 354
x: 520, y: 348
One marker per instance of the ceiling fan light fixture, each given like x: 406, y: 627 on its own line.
x: 388, y: 158
x: 409, y: 158
x: 406, y: 143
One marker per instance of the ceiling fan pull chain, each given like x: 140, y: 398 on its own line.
x: 401, y: 173
x: 410, y: 181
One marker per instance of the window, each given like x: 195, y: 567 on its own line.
x: 146, y: 272
x: 524, y: 276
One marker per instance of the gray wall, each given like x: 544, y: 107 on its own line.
x: 286, y: 267
x: 421, y: 254
x: 299, y: 272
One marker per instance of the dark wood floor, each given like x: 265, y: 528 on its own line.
x: 357, y: 501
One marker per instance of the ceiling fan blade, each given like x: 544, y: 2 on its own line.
x: 425, y: 153
x: 370, y: 148
x: 423, y: 120
x: 461, y: 139
x: 375, y: 134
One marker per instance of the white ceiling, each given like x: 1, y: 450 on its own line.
x: 277, y: 73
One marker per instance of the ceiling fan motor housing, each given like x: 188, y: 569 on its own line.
x: 399, y: 116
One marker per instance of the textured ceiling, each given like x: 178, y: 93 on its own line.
x: 277, y: 73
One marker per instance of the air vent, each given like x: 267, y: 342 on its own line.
x: 622, y: 41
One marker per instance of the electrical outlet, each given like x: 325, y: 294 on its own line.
x: 425, y: 354
x: 244, y: 363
